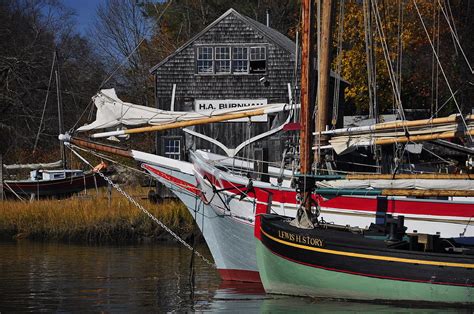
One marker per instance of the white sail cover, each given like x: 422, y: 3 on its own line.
x: 416, y: 184
x: 112, y: 112
x: 49, y: 165
x: 346, y: 143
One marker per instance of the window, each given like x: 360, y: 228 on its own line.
x: 204, y: 60
x: 240, y: 63
x: 258, y: 60
x: 227, y: 60
x: 222, y: 59
x: 172, y: 148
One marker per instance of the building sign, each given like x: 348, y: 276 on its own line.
x: 206, y: 106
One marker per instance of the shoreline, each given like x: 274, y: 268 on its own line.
x: 94, y: 218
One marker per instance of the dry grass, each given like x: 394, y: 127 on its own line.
x: 92, y: 218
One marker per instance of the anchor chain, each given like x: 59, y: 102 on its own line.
x: 146, y: 212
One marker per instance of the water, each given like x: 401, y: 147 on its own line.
x: 64, y: 278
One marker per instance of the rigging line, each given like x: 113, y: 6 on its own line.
x: 386, y: 53
x: 454, y: 33
x: 400, y: 43
x: 295, y: 75
x: 438, y: 43
x: 444, y: 104
x: 437, y: 156
x: 45, y: 102
x: 433, y: 61
x: 369, y: 56
x: 110, y: 76
x: 181, y: 187
x: 146, y: 212
x: 337, y: 83
x: 442, y: 69
x: 121, y: 64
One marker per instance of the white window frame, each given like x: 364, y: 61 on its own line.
x: 213, y: 55
x: 200, y: 59
x: 176, y: 143
x: 258, y: 57
x: 246, y: 59
x: 218, y: 59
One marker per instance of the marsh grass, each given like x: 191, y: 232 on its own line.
x: 93, y: 218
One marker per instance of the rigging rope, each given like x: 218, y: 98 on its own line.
x: 337, y: 80
x: 434, y: 73
x: 452, y: 28
x: 442, y: 70
x: 143, y: 209
x: 393, y: 79
x: 118, y: 68
x: 369, y: 53
x: 45, y: 102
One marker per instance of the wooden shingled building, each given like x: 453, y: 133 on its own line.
x: 234, y: 60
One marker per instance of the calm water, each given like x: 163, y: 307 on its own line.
x: 65, y: 278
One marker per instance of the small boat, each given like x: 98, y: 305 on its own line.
x: 380, y: 263
x: 53, y: 183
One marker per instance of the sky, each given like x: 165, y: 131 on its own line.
x: 85, y: 10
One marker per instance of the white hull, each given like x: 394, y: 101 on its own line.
x: 230, y: 240
x: 226, y: 220
x: 449, y: 218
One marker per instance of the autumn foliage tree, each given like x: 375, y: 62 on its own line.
x: 421, y: 81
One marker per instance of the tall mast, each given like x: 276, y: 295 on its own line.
x: 323, y: 72
x: 307, y: 100
x: 307, y: 86
x: 60, y: 118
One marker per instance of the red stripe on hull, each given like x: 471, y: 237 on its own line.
x: 239, y: 275
x: 413, y: 207
x: 394, y: 206
x: 174, y: 180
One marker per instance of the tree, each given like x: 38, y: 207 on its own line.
x: 120, y: 31
x: 30, y: 34
x: 417, y: 65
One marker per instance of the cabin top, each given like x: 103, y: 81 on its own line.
x: 38, y: 175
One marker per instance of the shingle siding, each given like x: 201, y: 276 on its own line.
x: 181, y: 69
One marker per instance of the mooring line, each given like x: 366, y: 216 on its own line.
x: 145, y: 211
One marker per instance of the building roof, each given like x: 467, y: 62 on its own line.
x: 271, y: 34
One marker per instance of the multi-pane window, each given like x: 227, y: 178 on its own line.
x: 258, y: 60
x: 222, y: 59
x: 240, y: 60
x: 172, y: 148
x: 227, y: 60
x: 204, y: 60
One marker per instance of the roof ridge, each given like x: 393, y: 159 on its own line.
x: 256, y: 26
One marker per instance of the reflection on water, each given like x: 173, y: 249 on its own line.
x: 59, y: 277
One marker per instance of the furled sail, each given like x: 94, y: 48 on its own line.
x: 50, y: 165
x: 347, y: 139
x: 113, y: 112
x: 408, y: 184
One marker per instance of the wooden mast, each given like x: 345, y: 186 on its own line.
x: 307, y: 95
x: 323, y: 73
x: 183, y: 124
x: 60, y: 118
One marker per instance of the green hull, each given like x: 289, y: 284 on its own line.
x: 281, y: 276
